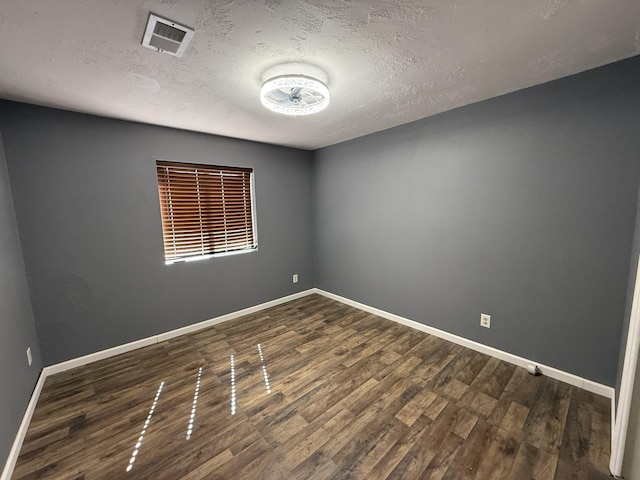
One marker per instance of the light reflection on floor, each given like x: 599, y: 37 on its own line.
x: 264, y: 369
x: 196, y: 395
x: 233, y: 386
x: 136, y: 449
x: 192, y: 417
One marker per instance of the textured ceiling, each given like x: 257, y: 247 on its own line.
x: 386, y: 62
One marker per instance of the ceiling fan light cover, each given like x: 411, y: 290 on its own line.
x: 294, y: 95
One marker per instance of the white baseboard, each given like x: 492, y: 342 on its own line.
x: 22, y: 431
x: 575, y: 380
x: 569, y: 378
x: 96, y: 356
x: 561, y: 375
x: 110, y: 352
x: 127, y: 347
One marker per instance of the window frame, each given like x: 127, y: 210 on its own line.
x: 252, y: 196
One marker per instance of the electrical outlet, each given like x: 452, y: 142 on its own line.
x: 295, y: 278
x: 29, y: 357
x: 485, y: 320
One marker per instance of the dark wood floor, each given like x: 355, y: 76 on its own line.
x: 322, y: 390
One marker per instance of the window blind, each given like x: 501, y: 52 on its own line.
x: 205, y: 209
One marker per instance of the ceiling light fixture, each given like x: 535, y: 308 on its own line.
x: 294, y: 95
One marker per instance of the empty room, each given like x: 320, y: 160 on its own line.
x: 321, y: 239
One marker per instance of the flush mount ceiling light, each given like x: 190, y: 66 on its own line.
x: 294, y: 95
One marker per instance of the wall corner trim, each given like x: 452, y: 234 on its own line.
x: 629, y: 372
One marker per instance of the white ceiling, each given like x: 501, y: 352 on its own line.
x: 386, y: 62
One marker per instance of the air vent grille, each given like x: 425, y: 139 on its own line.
x: 169, y: 32
x: 166, y: 36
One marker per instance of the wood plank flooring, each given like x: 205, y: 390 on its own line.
x: 312, y: 389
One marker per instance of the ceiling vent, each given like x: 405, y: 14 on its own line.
x: 166, y: 36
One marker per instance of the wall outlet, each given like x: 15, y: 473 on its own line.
x: 485, y: 320
x: 295, y: 278
x: 29, y: 357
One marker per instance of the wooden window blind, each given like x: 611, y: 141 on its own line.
x: 205, y: 209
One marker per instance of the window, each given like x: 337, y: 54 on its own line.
x: 206, y: 210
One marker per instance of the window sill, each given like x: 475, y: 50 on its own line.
x: 211, y: 255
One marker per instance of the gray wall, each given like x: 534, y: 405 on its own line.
x: 85, y: 193
x: 17, y: 330
x: 521, y: 206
